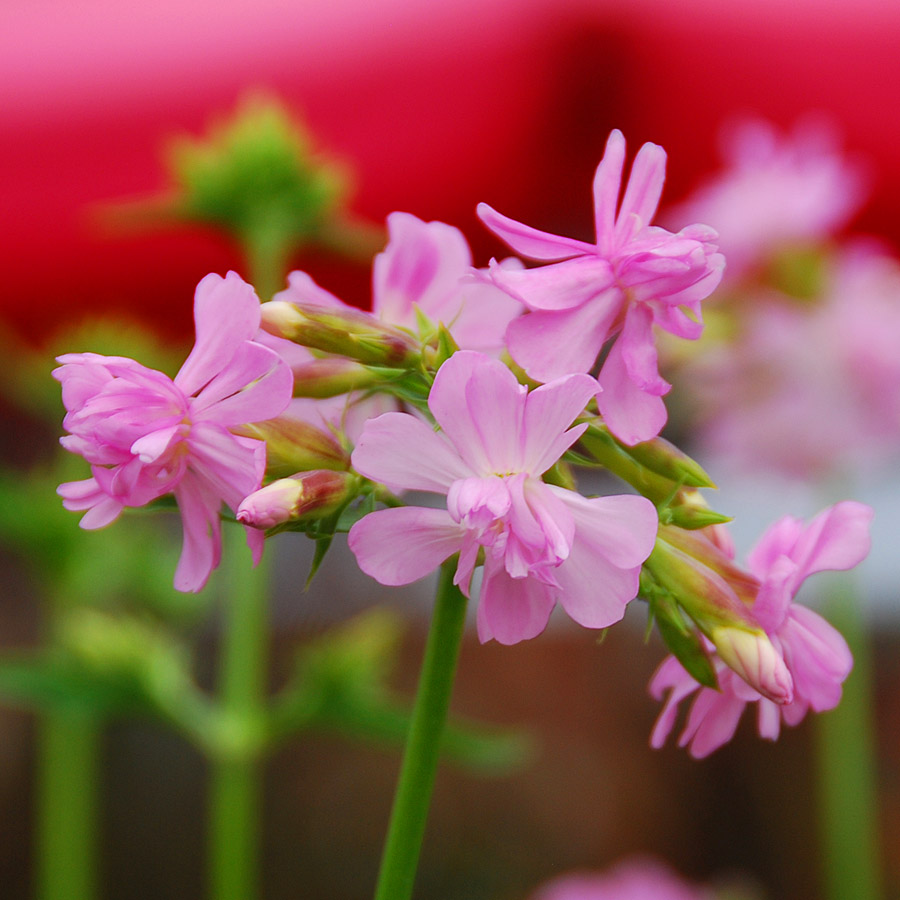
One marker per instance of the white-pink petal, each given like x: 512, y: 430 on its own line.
x: 405, y: 453
x: 226, y: 313
x: 401, y: 545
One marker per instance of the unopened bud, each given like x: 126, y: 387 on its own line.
x: 331, y: 377
x: 753, y: 657
x: 293, y: 445
x: 303, y: 497
x: 659, y: 456
x: 346, y: 332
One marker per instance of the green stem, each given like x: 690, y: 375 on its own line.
x: 67, y: 777
x: 413, y: 796
x: 267, y: 256
x: 847, y: 772
x: 235, y: 789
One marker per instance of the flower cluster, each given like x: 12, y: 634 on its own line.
x: 304, y: 414
x: 815, y: 655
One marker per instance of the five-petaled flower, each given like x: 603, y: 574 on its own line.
x: 541, y: 543
x: 634, y: 276
x: 816, y: 655
x: 147, y: 435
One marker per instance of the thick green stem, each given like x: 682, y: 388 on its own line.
x: 236, y: 777
x: 847, y: 779
x: 413, y: 796
x: 67, y: 777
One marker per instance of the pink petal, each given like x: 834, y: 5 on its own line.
x: 621, y: 528
x: 607, y: 185
x: 230, y: 466
x: 638, y: 349
x: 226, y: 313
x: 405, y: 453
x: 479, y: 405
x: 563, y: 285
x: 818, y: 657
x: 549, y: 411
x: 777, y: 541
x: 712, y: 722
x: 202, y: 546
x: 102, y: 509
x: 549, y: 345
x: 529, y: 241
x: 401, y: 545
x: 421, y: 265
x: 645, y: 184
x: 255, y: 385
x: 836, y: 539
x: 631, y: 414
x: 302, y: 289
x: 768, y: 719
x: 512, y: 609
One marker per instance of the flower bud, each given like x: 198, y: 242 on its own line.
x: 322, y: 378
x: 293, y: 445
x: 302, y: 497
x: 344, y: 331
x: 754, y: 658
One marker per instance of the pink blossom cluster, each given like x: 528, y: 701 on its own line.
x: 147, y: 435
x: 635, y: 276
x: 814, y: 653
x: 824, y: 371
x: 542, y: 544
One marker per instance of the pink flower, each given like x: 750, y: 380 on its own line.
x: 634, y: 879
x: 815, y: 654
x: 426, y: 265
x: 777, y: 190
x: 635, y: 276
x: 541, y: 543
x: 146, y: 435
x: 825, y: 371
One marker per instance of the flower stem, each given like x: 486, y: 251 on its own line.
x: 235, y: 777
x: 400, y: 858
x: 67, y: 777
x: 847, y: 772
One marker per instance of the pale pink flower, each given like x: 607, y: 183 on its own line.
x: 542, y: 543
x: 634, y: 277
x: 426, y: 265
x: 815, y: 654
x: 146, y: 435
x: 633, y: 879
x: 777, y: 190
x: 824, y: 371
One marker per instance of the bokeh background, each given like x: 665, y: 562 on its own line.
x: 433, y: 107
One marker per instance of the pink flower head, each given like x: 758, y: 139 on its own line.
x: 635, y: 276
x: 541, y: 543
x: 146, y: 435
x: 815, y: 654
x: 826, y: 372
x: 777, y: 190
x: 633, y: 879
x: 426, y: 265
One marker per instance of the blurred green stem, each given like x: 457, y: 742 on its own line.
x: 236, y: 764
x: 67, y: 780
x: 417, y: 773
x: 847, y: 776
x: 267, y: 251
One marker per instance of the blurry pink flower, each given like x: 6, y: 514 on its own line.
x: 633, y: 879
x: 825, y: 371
x: 815, y: 654
x: 634, y: 277
x: 146, y: 435
x: 542, y: 543
x: 426, y: 265
x: 777, y: 190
